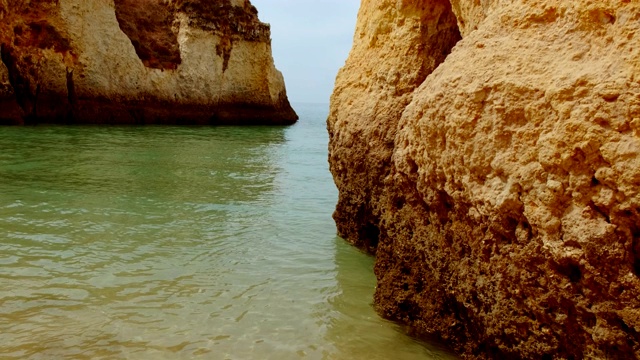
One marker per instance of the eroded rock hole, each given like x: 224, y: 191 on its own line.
x: 443, y: 34
x: 21, y: 84
x: 488, y: 350
x: 408, y: 309
x: 589, y: 319
x: 148, y: 24
x: 399, y: 203
x: 571, y: 271
x: 438, y: 30
x: 370, y: 234
x: 41, y: 35
x: 574, y: 273
x: 443, y: 206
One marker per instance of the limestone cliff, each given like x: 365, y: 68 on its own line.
x: 488, y: 153
x: 138, y: 62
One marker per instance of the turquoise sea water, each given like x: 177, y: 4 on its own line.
x: 182, y: 243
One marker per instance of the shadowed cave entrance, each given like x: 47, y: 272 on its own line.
x: 152, y: 27
x: 148, y: 24
x: 439, y: 30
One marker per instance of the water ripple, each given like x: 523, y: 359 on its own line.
x: 181, y: 243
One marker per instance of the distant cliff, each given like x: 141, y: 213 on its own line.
x: 488, y: 153
x: 138, y: 62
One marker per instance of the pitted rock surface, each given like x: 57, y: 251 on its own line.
x: 497, y: 180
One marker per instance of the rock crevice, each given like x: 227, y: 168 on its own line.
x: 149, y: 26
x: 408, y: 40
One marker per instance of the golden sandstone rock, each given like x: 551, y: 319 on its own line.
x: 488, y: 153
x: 138, y: 62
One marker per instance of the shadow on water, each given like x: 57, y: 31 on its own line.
x: 355, y: 327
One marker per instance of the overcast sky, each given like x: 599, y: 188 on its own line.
x: 311, y: 40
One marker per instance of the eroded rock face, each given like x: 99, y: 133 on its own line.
x: 397, y: 46
x: 138, y: 62
x: 500, y: 190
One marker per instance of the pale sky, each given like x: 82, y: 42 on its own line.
x: 311, y: 40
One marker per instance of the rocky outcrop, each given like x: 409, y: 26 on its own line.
x: 497, y: 178
x: 138, y: 62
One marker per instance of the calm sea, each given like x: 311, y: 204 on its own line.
x: 182, y: 243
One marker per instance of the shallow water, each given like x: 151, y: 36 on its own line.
x: 182, y: 243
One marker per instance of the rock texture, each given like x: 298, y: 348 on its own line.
x: 138, y: 62
x: 488, y: 153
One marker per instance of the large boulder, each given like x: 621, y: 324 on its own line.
x: 138, y: 62
x: 497, y: 178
